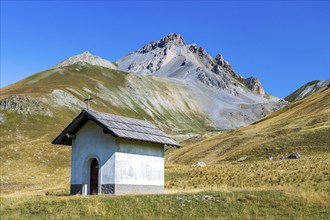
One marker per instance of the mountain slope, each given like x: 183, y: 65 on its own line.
x: 307, y: 89
x: 157, y: 99
x: 171, y: 56
x: 34, y: 110
x: 229, y: 99
x: 303, y: 126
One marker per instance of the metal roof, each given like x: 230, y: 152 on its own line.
x: 118, y: 126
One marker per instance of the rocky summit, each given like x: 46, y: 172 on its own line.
x: 226, y: 96
x: 171, y: 56
x: 86, y: 57
x: 175, y: 39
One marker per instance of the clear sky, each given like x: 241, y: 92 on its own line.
x: 283, y: 43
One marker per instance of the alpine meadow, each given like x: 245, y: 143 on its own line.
x: 243, y: 153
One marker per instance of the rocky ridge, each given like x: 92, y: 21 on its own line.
x: 24, y: 105
x: 307, y: 89
x: 254, y: 85
x: 175, y: 39
x: 171, y: 56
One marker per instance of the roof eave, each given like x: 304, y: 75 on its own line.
x: 75, y: 125
x: 64, y: 139
x: 154, y: 142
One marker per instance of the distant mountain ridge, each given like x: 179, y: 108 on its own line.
x: 171, y: 56
x: 192, y: 86
x: 307, y: 89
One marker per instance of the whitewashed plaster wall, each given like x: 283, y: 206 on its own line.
x: 139, y: 163
x: 130, y: 165
x: 91, y: 142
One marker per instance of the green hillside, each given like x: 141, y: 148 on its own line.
x: 160, y: 100
x: 37, y: 114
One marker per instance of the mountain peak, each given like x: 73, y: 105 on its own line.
x: 173, y: 37
x: 172, y: 57
x: 169, y: 39
x: 87, y: 57
x: 86, y: 53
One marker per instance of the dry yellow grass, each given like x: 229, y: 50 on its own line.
x: 310, y: 173
x: 262, y: 204
x: 303, y: 126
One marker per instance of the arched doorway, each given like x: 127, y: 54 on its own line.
x: 94, y: 177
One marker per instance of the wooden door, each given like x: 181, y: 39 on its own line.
x: 94, y: 180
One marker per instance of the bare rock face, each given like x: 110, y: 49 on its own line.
x: 24, y: 105
x: 193, y: 48
x: 172, y: 57
x: 173, y: 38
x: 223, y: 63
x: 206, y: 58
x: 151, y: 58
x: 148, y: 67
x: 215, y: 81
x: 254, y: 85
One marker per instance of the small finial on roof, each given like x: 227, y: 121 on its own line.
x: 88, y: 100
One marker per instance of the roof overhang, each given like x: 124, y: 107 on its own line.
x: 66, y: 136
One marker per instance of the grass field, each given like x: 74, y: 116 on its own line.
x: 35, y: 175
x: 310, y: 173
x: 253, y: 204
x: 277, y: 189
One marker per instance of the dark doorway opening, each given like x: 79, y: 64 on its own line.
x: 94, y: 181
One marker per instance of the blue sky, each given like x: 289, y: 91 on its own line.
x: 284, y: 43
